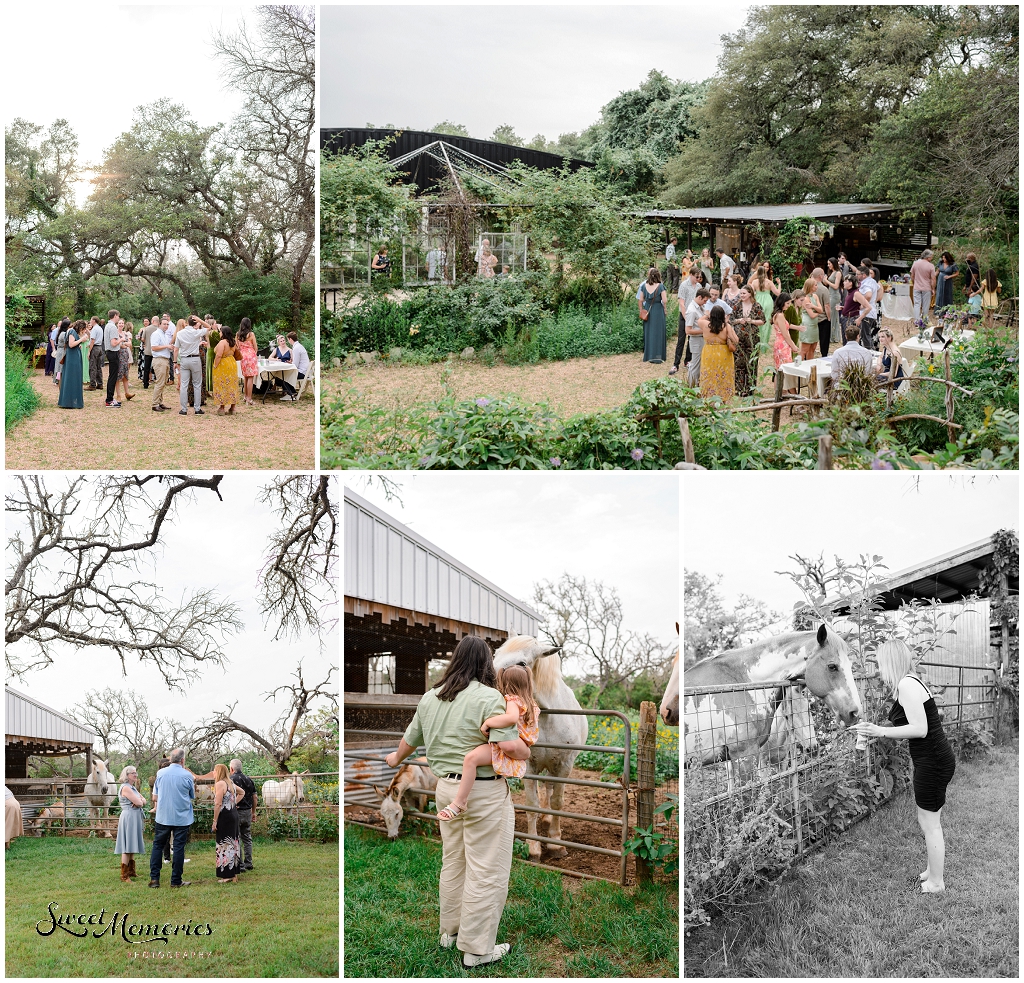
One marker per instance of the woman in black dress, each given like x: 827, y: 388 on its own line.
x: 226, y: 796
x: 914, y: 715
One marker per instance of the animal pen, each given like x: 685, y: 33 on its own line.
x: 367, y: 768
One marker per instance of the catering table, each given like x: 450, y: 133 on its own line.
x: 802, y: 370
x: 897, y: 302
x: 271, y: 368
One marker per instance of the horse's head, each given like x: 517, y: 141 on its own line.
x: 98, y: 775
x: 391, y: 806
x: 829, y: 675
x: 522, y: 650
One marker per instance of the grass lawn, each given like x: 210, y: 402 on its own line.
x: 559, y: 927
x: 855, y: 909
x: 272, y: 436
x: 281, y: 919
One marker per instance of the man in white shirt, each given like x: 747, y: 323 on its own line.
x: 112, y: 350
x: 187, y: 343
x: 161, y: 344
x: 694, y: 312
x: 300, y: 359
x: 868, y: 320
x: 728, y: 264
x: 851, y: 353
x: 715, y: 301
x: 95, y: 354
x: 670, y: 250
x: 687, y: 291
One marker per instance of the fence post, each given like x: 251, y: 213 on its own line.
x: 646, y: 744
x: 684, y: 432
x: 951, y: 432
x: 777, y: 409
x: 825, y: 453
x: 794, y: 781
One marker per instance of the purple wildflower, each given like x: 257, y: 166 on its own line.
x: 636, y: 454
x: 481, y: 402
x: 424, y: 461
x: 878, y: 464
x: 556, y: 462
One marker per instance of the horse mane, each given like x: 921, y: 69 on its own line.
x: 547, y: 674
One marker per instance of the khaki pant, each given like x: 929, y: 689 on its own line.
x: 160, y: 367
x: 476, y: 864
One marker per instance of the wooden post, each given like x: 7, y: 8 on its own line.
x: 949, y: 399
x: 777, y: 412
x: 684, y: 432
x: 825, y: 453
x: 647, y: 742
x: 812, y: 388
x: 1004, y: 650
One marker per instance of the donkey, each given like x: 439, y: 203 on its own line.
x: 408, y: 776
x: 551, y: 693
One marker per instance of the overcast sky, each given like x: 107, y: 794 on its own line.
x: 211, y: 545
x: 516, y: 528
x: 542, y: 69
x: 745, y: 526
x: 93, y: 65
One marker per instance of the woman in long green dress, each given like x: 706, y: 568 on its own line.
x: 653, y: 302
x: 71, y: 378
x: 765, y: 292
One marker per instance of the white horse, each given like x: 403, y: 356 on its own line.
x: 670, y: 701
x: 100, y: 789
x: 551, y: 693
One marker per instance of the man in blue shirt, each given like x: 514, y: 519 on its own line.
x: 173, y: 792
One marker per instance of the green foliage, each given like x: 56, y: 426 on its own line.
x: 20, y: 396
x: 655, y: 847
x: 246, y: 293
x: 452, y: 129
x: 18, y: 314
x: 970, y: 740
x: 610, y: 732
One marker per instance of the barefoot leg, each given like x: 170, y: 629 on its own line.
x: 931, y: 826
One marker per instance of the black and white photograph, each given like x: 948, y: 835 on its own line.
x: 851, y: 766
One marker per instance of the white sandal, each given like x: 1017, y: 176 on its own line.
x: 453, y: 811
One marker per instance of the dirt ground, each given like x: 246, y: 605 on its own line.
x: 580, y: 799
x: 278, y: 435
x: 573, y: 386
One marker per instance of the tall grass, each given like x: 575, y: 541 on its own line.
x: 20, y: 396
x: 558, y: 927
x: 855, y: 909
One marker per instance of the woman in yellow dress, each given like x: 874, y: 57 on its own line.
x: 717, y: 365
x: 225, y: 374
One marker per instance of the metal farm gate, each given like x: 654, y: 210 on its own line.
x: 365, y: 767
x: 802, y: 781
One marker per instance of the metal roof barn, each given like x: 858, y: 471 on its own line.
x: 408, y: 602
x: 35, y: 729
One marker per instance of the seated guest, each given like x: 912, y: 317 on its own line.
x: 281, y: 352
x: 129, y: 825
x: 852, y: 353
x: 889, y: 364
x: 301, y: 361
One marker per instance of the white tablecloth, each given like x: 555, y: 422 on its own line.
x: 929, y: 347
x: 898, y: 308
x: 802, y: 371
x: 268, y: 368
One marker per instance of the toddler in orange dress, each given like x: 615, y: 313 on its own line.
x: 507, y: 758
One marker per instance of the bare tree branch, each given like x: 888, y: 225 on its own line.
x: 72, y: 576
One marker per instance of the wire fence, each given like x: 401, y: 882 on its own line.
x: 771, y: 774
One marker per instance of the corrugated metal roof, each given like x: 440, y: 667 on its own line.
x: 948, y: 577
x: 831, y: 212
x: 387, y: 562
x: 26, y: 717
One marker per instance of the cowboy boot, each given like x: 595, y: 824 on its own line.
x: 131, y: 868
x: 124, y: 871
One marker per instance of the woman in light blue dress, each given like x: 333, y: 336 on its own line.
x: 130, y: 825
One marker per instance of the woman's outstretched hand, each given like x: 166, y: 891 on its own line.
x: 869, y: 730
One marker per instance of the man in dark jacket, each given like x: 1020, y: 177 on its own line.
x: 246, y: 810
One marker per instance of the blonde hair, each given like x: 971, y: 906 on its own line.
x: 518, y: 681
x: 895, y: 660
x: 810, y: 285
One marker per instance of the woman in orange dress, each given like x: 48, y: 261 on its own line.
x: 507, y: 758
x: 250, y: 358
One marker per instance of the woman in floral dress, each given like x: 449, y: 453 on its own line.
x: 226, y: 796
x: 225, y: 374
x: 717, y: 366
x: 250, y: 358
x: 124, y: 362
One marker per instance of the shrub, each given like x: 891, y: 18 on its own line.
x: 970, y: 740
x: 20, y: 396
